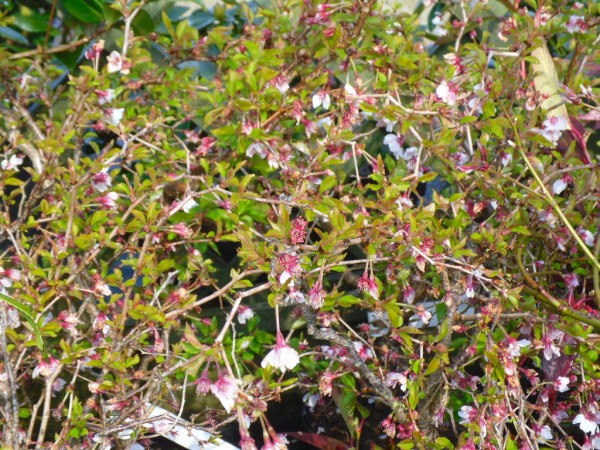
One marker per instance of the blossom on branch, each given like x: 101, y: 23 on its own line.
x: 282, y: 357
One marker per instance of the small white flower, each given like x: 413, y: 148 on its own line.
x: 559, y: 186
x: 552, y: 128
x: 125, y: 434
x: 467, y: 414
x: 546, y: 433
x: 244, y: 314
x: 281, y: 84
x: 285, y: 276
x: 115, y: 115
x: 389, y: 124
x: 188, y: 205
x: 256, y: 148
x: 12, y: 163
x: 392, y: 141
x: 321, y: 99
x: 587, y: 236
x: 226, y: 390
x: 447, y: 92
x: 282, y: 357
x: 587, y: 423
x: 393, y: 379
x: 506, y: 159
x: 561, y: 384
x: 115, y: 62
x: 45, y: 369
x: 350, y: 91
x: 311, y: 400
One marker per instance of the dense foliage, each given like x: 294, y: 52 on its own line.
x: 393, y: 214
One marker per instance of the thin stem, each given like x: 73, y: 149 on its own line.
x: 550, y: 199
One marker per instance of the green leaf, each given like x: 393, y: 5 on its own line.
x: 12, y: 35
x: 28, y: 20
x: 444, y: 443
x: 168, y: 24
x: 510, y: 444
x: 88, y: 11
x: 143, y: 23
x: 521, y: 229
x: 433, y: 366
x: 328, y: 183
x: 25, y: 312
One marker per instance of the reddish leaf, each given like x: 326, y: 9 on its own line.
x: 319, y: 441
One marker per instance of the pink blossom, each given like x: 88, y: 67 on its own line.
x: 93, y: 54
x: 46, y: 369
x: 571, y: 281
x: 460, y: 158
x: 181, y: 229
x: 470, y: 291
x: 226, y: 390
x: 561, y: 384
x: 576, y: 24
x: 298, y: 231
x: 587, y: 236
x: 58, y: 386
x: 514, y: 346
x: 116, y: 63
x: 12, y: 163
x: 326, y: 383
x: 206, y: 144
x: 367, y: 283
x: 108, y: 201
x: 105, y: 96
x: 404, y: 201
x: 363, y: 350
x: 282, y: 356
x: 548, y: 339
x: 350, y: 91
x: 469, y: 445
x: 447, y: 92
x: 203, y: 384
x: 389, y: 427
x: 552, y: 128
x: 68, y: 321
x: 506, y: 159
x: 244, y: 314
x: 101, y: 181
x: 281, y: 83
x: 393, y: 379
x: 316, y: 295
x: 423, y: 314
x: 294, y: 296
x: 468, y: 414
x: 100, y: 324
x: 588, y: 419
x: 247, y: 443
x: 291, y: 266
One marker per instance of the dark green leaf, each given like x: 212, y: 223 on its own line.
x: 13, y: 35
x: 88, y: 11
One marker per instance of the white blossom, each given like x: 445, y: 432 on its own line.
x: 282, y: 357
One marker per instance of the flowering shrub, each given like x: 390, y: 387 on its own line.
x: 394, y: 214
